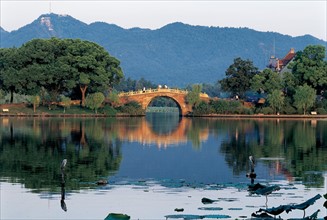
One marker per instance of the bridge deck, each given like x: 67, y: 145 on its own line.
x: 158, y: 90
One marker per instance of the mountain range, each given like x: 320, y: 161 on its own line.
x: 176, y: 54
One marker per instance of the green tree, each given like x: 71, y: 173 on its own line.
x: 238, y: 77
x: 44, y: 64
x: 289, y: 83
x: 304, y: 97
x: 84, y: 82
x: 59, y: 66
x: 202, y: 108
x: 11, y: 80
x: 65, y: 102
x: 94, y: 101
x: 310, y: 67
x: 193, y: 96
x: 2, y: 96
x: 113, y: 98
x: 35, y: 100
x: 129, y: 84
x: 276, y: 100
x: 266, y: 81
x: 93, y: 67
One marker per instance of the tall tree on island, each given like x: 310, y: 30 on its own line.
x: 238, y: 77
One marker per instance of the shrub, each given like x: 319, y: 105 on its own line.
x: 108, y: 110
x: 202, y: 108
x: 219, y: 106
x: 65, y: 102
x: 94, y: 101
x: 132, y: 108
x: 288, y: 110
x: 225, y: 106
x: 321, y: 111
x: 267, y: 110
x: 244, y: 110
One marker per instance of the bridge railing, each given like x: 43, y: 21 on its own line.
x: 147, y: 91
x: 157, y: 90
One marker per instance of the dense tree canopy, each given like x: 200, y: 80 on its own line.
x: 238, y: 77
x: 310, y: 67
x: 11, y: 79
x: 276, y: 100
x: 266, y: 81
x: 58, y: 66
x: 304, y: 97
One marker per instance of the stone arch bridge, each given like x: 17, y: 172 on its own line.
x: 144, y: 97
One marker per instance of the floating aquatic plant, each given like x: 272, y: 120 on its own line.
x: 235, y: 209
x: 117, y: 216
x: 207, y: 200
x: 306, y: 204
x: 302, y: 206
x: 211, y: 208
x: 276, y: 210
x: 189, y: 217
x: 265, y: 190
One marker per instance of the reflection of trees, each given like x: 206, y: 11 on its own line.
x: 195, y: 132
x: 241, y: 137
x: 34, y: 158
x: 163, y: 123
x: 31, y: 149
x: 303, y: 144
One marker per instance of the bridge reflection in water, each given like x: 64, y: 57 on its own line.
x: 170, y: 132
x: 160, y: 129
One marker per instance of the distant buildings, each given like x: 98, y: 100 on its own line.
x: 280, y: 65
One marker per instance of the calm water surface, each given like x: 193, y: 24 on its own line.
x: 150, y: 166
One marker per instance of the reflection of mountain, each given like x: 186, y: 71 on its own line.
x: 149, y: 131
x: 31, y: 152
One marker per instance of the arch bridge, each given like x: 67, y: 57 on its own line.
x: 144, y: 97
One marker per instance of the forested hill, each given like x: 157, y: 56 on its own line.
x: 176, y: 54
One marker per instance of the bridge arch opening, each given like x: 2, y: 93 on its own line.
x: 163, y: 114
x: 163, y: 104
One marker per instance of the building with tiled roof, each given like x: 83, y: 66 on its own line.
x: 279, y: 65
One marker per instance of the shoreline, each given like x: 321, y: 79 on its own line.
x: 230, y: 116
x: 236, y: 116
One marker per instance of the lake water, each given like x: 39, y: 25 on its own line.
x: 146, y: 167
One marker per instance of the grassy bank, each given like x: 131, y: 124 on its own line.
x: 23, y: 110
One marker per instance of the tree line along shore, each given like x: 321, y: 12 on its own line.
x: 44, y: 72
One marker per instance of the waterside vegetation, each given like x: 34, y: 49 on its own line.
x: 70, y: 76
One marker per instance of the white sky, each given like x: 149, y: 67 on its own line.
x: 292, y: 17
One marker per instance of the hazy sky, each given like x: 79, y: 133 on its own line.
x: 294, y: 18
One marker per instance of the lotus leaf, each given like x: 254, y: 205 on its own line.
x: 188, y: 217
x: 117, y: 216
x: 306, y: 204
x: 208, y: 201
